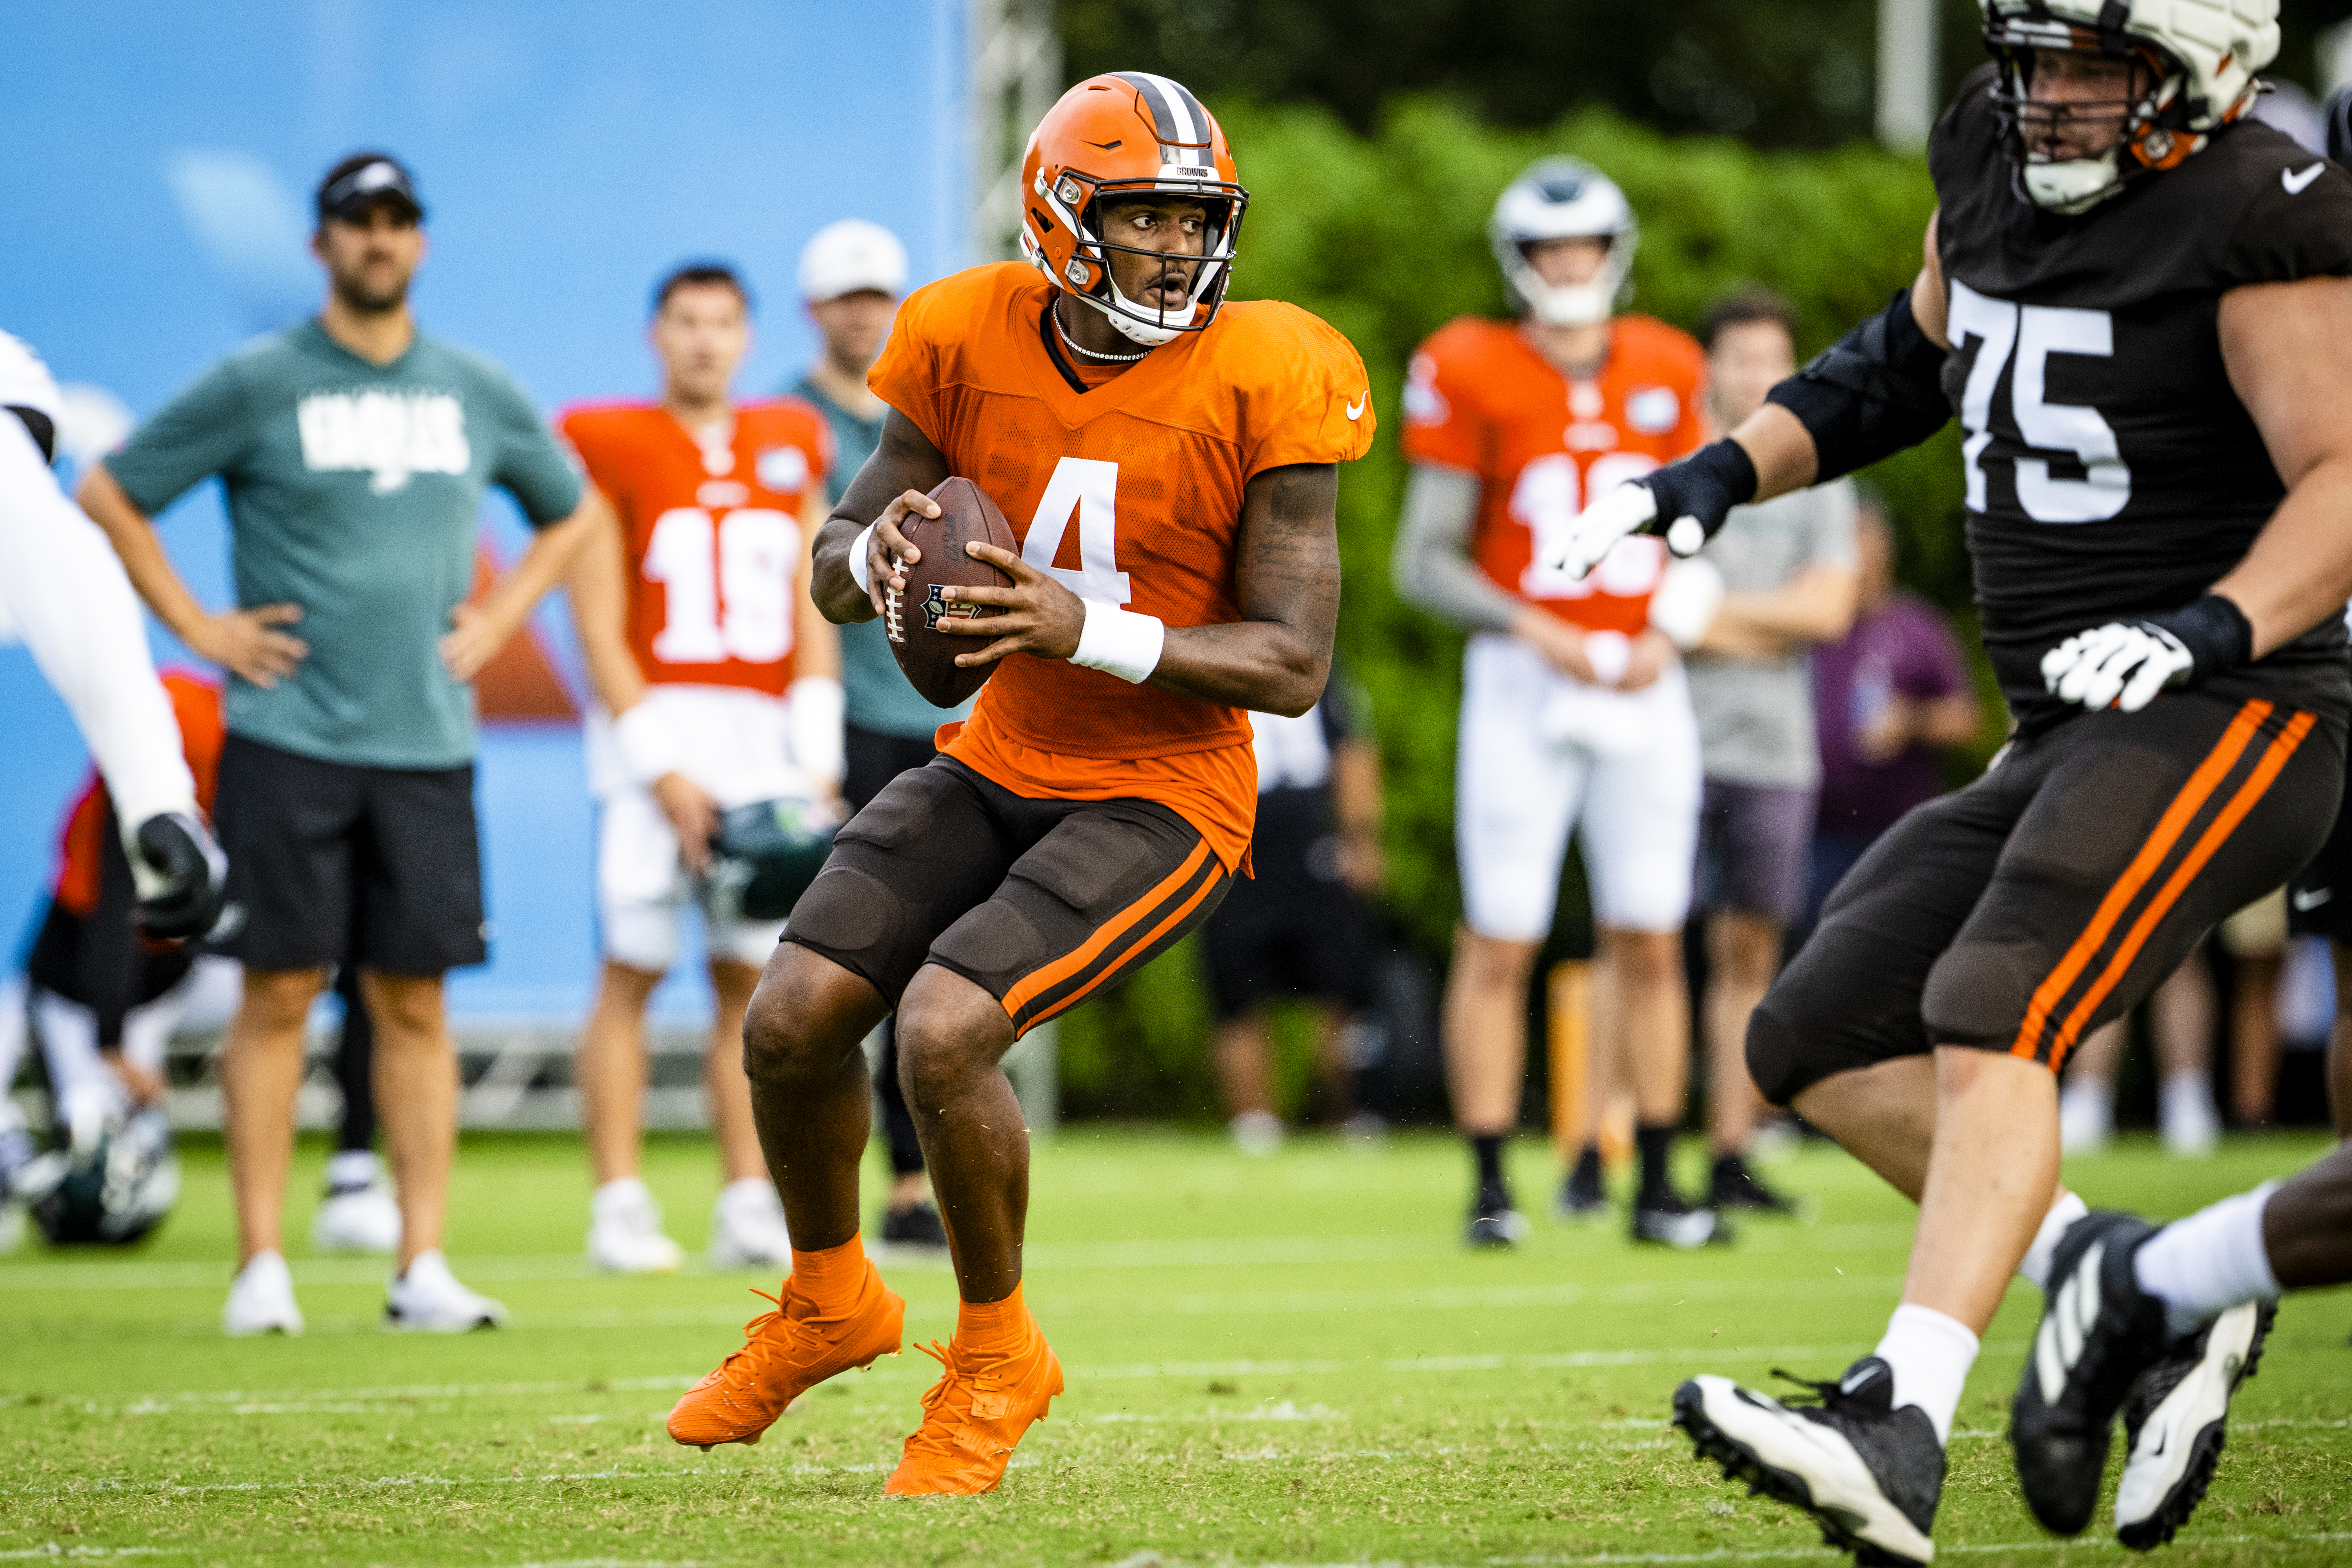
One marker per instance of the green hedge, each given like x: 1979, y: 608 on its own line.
x: 1385, y: 237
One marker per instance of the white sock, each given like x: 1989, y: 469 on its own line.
x: 757, y: 1191
x: 622, y: 1192
x: 1930, y: 1353
x: 2034, y: 1266
x: 2214, y: 1259
x: 351, y: 1167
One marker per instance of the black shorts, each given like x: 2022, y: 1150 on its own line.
x: 1037, y: 902
x: 873, y: 758
x: 2319, y: 900
x: 332, y: 863
x: 2056, y: 891
x: 1288, y: 938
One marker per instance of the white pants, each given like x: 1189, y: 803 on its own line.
x: 737, y: 747
x: 63, y: 592
x: 86, y: 1090
x: 1541, y: 754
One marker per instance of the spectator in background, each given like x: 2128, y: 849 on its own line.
x: 1887, y: 696
x: 1788, y: 578
x: 852, y: 273
x: 1296, y: 928
x: 354, y: 451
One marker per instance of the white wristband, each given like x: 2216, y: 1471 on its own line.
x: 648, y: 749
x: 857, y: 552
x: 1683, y: 603
x: 1119, y: 642
x: 813, y: 718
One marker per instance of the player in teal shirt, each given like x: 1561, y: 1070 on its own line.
x: 354, y: 452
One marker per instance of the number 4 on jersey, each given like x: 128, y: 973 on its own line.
x: 1087, y: 487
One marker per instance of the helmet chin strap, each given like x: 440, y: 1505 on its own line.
x: 2073, y: 184
x: 1116, y: 311
x: 1578, y: 305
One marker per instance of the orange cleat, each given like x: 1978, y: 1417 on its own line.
x: 973, y: 1415
x: 785, y: 1354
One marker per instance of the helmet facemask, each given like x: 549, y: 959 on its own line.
x: 1582, y: 303
x: 1564, y: 198
x: 2164, y: 112
x: 1083, y: 205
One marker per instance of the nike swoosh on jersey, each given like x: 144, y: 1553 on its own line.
x: 2313, y: 897
x: 1356, y: 409
x: 2295, y: 182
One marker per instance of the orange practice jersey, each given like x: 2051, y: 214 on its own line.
x: 712, y: 538
x: 81, y: 848
x: 1479, y: 398
x: 1130, y: 493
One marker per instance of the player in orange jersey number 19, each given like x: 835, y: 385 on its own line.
x: 1166, y: 461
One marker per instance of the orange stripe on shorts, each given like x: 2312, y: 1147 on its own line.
x: 2169, y: 829
x: 1140, y: 944
x: 2257, y: 785
x: 1070, y: 963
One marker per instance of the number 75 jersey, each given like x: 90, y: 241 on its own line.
x: 2111, y: 469
x: 711, y: 533
x: 1478, y: 398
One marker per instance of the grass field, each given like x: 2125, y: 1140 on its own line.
x: 1281, y: 1361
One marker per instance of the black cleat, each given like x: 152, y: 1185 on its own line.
x: 917, y: 1226
x: 180, y: 874
x: 2177, y: 1417
x: 2099, y: 1332
x: 1664, y: 1217
x: 1734, y: 1185
x: 1493, y: 1221
x: 1869, y: 1474
x: 1582, y: 1196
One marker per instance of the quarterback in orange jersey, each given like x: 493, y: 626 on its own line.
x: 1168, y: 463
x: 1574, y: 711
x: 719, y: 688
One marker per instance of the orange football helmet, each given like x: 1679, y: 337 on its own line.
x: 1123, y: 135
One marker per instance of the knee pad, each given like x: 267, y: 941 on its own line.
x: 1777, y: 1059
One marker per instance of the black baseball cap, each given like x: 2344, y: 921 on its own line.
x: 363, y: 180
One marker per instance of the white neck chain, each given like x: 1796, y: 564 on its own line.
x: 1067, y: 343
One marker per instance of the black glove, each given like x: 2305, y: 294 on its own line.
x: 180, y: 874
x: 1686, y: 501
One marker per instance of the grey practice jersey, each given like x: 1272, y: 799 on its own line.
x: 2111, y: 469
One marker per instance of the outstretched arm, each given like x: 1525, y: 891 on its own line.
x: 1277, y: 658
x: 1875, y: 391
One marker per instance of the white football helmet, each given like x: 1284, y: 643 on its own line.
x: 1564, y: 198
x: 2199, y: 58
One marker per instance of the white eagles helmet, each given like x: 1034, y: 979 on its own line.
x: 1564, y: 198
x: 2201, y: 56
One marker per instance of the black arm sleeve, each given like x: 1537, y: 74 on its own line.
x: 1875, y: 391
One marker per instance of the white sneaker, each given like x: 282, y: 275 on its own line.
x: 624, y: 1231
x: 261, y: 1299
x: 747, y: 1227
x: 2086, y: 1117
x: 428, y: 1300
x: 1256, y: 1133
x: 359, y: 1213
x: 2191, y: 1124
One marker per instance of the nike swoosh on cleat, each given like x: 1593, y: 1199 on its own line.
x: 2294, y: 182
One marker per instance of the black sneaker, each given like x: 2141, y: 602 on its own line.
x: 2099, y: 1332
x: 916, y: 1226
x: 1664, y: 1217
x: 1734, y: 1185
x: 1582, y: 1196
x: 1869, y: 1474
x: 1493, y: 1221
x: 2175, y: 1423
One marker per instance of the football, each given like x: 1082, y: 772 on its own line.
x: 912, y: 615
